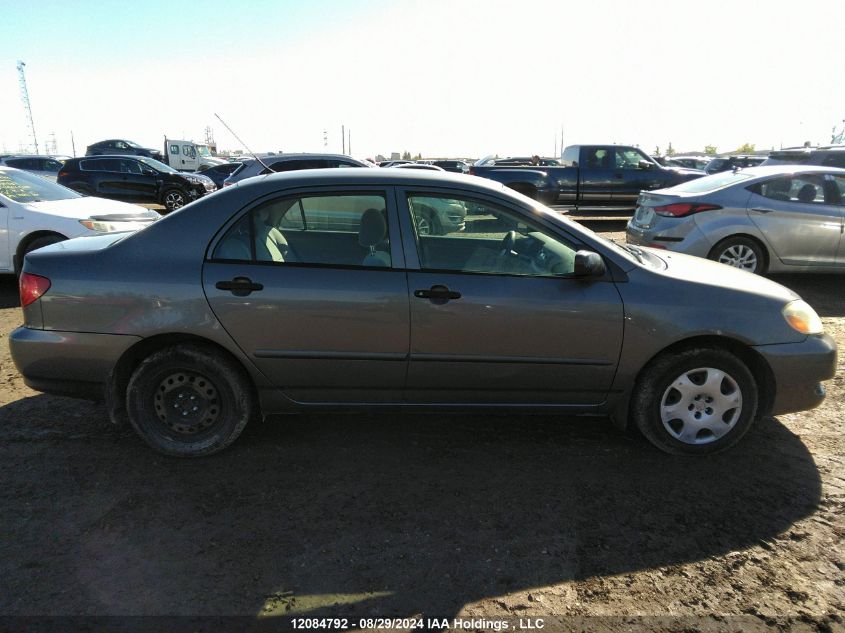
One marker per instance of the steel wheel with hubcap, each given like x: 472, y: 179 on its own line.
x: 189, y: 400
x: 701, y: 405
x: 700, y: 401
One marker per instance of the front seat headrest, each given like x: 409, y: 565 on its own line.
x: 373, y: 228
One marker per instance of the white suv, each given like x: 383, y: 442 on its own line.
x: 35, y: 212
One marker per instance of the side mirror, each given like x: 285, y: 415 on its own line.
x: 149, y: 172
x: 644, y: 164
x: 589, y: 264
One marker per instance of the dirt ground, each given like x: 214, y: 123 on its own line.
x: 366, y: 516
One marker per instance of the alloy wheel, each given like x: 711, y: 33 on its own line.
x: 739, y: 256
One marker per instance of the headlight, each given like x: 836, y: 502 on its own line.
x: 194, y: 180
x: 802, y: 317
x: 103, y: 226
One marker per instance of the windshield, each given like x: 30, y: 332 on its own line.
x: 131, y: 144
x: 157, y: 165
x: 711, y: 183
x: 21, y: 186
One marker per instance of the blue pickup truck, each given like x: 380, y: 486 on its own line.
x: 599, y: 176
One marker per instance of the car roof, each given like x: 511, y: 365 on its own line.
x: 784, y: 170
x: 383, y: 177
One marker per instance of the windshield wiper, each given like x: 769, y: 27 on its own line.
x: 636, y: 252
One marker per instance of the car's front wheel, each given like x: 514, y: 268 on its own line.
x: 740, y: 252
x: 189, y: 400
x: 174, y: 199
x: 698, y: 401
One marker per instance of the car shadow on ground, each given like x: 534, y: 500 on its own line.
x: 9, y: 297
x: 366, y: 515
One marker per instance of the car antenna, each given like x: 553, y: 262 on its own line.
x: 242, y: 143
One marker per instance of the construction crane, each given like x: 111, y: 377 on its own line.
x: 25, y: 99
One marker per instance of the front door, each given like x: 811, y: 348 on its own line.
x: 497, y: 316
x: 798, y: 217
x: 311, y: 288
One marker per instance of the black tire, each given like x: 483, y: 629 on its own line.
x: 38, y: 242
x: 173, y: 199
x: 661, y: 388
x: 735, y: 250
x: 189, y: 400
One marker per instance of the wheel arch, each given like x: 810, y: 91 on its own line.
x: 525, y: 188
x: 118, y: 379
x: 28, y: 239
x: 763, y: 374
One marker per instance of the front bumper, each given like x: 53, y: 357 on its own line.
x: 798, y: 370
x: 67, y: 363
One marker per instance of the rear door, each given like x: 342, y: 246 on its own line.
x: 799, y: 217
x: 5, y: 246
x: 311, y: 286
x: 598, y: 176
x: 497, y: 316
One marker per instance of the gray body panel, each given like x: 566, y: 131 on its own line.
x: 335, y: 336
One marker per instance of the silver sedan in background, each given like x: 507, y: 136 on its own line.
x: 784, y: 218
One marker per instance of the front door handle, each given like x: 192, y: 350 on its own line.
x: 239, y: 286
x: 763, y: 210
x: 437, y: 292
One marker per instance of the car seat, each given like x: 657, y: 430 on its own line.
x: 807, y: 193
x: 373, y: 232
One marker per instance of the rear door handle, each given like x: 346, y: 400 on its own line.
x: 239, y: 286
x: 437, y: 292
x: 763, y: 210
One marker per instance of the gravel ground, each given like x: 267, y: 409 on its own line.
x: 364, y: 516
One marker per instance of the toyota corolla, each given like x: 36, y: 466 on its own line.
x: 318, y: 290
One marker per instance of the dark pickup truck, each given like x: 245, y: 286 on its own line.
x: 589, y: 176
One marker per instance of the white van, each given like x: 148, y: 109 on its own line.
x: 189, y: 156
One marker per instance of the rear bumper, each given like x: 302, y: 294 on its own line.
x: 685, y: 238
x: 799, y: 369
x: 67, y: 363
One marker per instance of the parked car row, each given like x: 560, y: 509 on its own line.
x: 327, y: 289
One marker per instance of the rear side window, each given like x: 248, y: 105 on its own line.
x: 802, y: 189
x: 840, y: 186
x: 100, y: 164
x: 334, y: 230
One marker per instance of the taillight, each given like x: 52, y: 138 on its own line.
x: 32, y: 288
x: 472, y: 171
x: 62, y: 173
x: 683, y: 209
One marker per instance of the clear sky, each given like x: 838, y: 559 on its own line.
x: 440, y: 78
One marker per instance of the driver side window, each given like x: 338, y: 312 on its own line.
x: 463, y: 235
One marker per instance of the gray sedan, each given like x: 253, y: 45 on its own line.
x: 317, y: 290
x: 785, y: 218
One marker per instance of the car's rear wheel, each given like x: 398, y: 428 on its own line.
x: 174, y: 199
x: 189, y: 400
x: 740, y: 252
x: 699, y: 401
x: 38, y: 242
